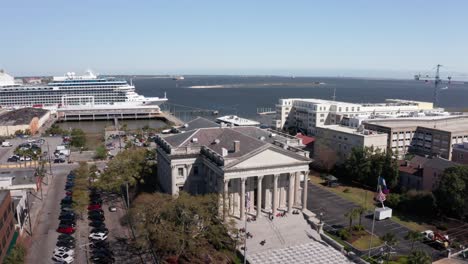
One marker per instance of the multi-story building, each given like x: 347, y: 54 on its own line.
x: 421, y: 173
x: 306, y: 114
x: 234, y: 161
x: 460, y: 153
x: 342, y: 139
x: 6, y: 223
x: 433, y: 135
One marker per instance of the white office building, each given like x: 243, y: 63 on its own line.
x: 307, y: 114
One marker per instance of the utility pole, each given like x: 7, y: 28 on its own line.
x: 29, y: 211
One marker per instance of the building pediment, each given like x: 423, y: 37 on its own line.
x: 270, y: 157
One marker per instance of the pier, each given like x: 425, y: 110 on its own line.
x: 121, y: 113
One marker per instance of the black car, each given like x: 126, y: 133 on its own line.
x: 13, y: 159
x: 68, y: 223
x: 67, y: 244
x: 95, y: 200
x: 67, y: 210
x: 97, y: 224
x: 59, y: 160
x: 66, y: 238
x: 68, y: 213
x: 66, y: 207
x: 67, y: 217
x: 95, y: 212
x: 96, y: 217
x: 100, y: 258
x: 99, y: 244
x: 69, y: 185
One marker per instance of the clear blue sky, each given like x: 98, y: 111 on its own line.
x: 346, y: 37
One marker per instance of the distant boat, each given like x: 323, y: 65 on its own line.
x: 445, y: 88
x: 178, y: 78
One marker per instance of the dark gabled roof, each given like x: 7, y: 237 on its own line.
x: 197, y: 123
x: 226, y: 137
x: 255, y: 132
x: 177, y: 139
x: 432, y: 162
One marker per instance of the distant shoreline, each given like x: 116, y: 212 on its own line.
x: 256, y: 85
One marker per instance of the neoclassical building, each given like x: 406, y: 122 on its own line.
x: 250, y: 168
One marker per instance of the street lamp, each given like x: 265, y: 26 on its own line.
x: 321, y: 217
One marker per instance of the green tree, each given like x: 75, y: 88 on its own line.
x: 16, y: 256
x: 100, y: 153
x: 128, y: 166
x: 419, y: 257
x: 80, y: 189
x: 390, y: 170
x: 78, y: 138
x: 450, y: 195
x: 19, y: 132
x: 358, y: 164
x: 351, y: 215
x: 54, y: 130
x: 186, y: 229
x: 413, y: 236
x: 360, y: 211
x: 390, y: 239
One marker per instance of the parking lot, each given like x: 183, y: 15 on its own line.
x: 49, y: 145
x: 334, y: 207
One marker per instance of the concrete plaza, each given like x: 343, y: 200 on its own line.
x: 288, y: 239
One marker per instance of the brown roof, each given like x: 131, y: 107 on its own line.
x: 22, y: 116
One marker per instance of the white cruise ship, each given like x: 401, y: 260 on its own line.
x: 73, y: 91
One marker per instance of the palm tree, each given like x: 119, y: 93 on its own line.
x: 360, y: 211
x: 351, y: 215
x: 419, y: 257
x: 390, y: 239
x: 413, y: 236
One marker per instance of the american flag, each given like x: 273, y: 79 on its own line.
x: 248, y: 203
x: 381, y: 196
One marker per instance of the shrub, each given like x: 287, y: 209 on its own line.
x: 346, y: 190
x: 101, y: 152
x: 344, y: 234
x: 358, y: 228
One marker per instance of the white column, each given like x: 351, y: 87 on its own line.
x: 304, y: 194
x: 290, y: 192
x: 275, y: 193
x: 259, y: 195
x: 297, y: 184
x: 242, y: 199
x: 225, y: 198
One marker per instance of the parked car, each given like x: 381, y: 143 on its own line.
x: 66, y: 238
x: 66, y: 229
x: 96, y: 217
x: 59, y: 160
x: 71, y: 223
x: 13, y: 159
x: 63, y: 258
x: 94, y: 206
x: 25, y: 158
x: 64, y: 250
x: 96, y: 212
x: 112, y: 208
x: 97, y: 224
x: 99, y: 244
x: 65, y: 243
x: 67, y: 217
x: 67, y: 209
x: 98, y: 236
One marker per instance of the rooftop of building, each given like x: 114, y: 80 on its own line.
x: 351, y: 130
x: 388, y: 102
x: 306, y: 140
x: 219, y: 137
x: 197, y: 123
x: 20, y: 177
x: 22, y: 116
x: 432, y: 162
x: 452, y: 123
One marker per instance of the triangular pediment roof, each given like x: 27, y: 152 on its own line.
x: 267, y: 157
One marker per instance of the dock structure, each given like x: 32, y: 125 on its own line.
x: 114, y: 113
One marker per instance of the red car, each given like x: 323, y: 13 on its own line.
x: 66, y: 229
x: 94, y: 206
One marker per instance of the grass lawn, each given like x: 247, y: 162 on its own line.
x: 362, y: 243
x: 358, y: 196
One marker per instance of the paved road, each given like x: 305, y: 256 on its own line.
x: 334, y: 207
x: 44, y: 234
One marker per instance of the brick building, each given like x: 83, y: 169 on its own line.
x: 6, y: 223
